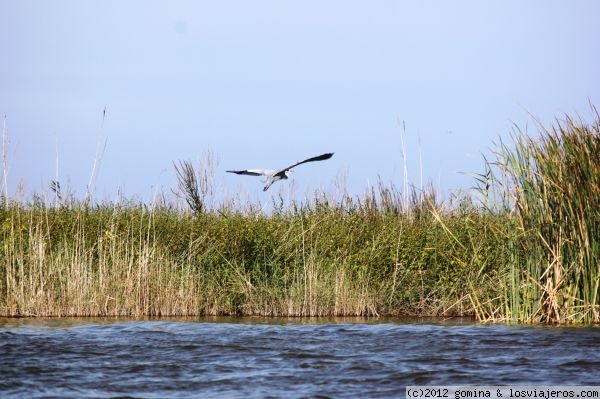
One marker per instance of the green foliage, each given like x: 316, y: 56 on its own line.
x: 364, y: 257
x: 552, y: 186
x: 528, y: 252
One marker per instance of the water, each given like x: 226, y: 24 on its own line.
x: 95, y: 358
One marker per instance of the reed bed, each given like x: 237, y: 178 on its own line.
x: 367, y: 257
x: 552, y: 183
x: 527, y: 250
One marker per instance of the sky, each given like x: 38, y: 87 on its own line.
x: 126, y: 88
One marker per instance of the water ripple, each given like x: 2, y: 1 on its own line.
x: 109, y: 359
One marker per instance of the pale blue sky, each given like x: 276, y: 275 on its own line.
x: 266, y: 83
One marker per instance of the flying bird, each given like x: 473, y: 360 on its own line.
x: 274, y: 175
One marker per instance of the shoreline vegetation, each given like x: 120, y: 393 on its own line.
x: 527, y: 249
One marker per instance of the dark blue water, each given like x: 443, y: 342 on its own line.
x: 92, y: 358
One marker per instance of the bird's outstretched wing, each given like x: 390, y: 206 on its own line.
x: 321, y: 157
x: 252, y: 172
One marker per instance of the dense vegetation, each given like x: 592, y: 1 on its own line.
x: 529, y: 251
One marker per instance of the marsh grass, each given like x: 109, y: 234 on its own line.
x: 526, y: 250
x: 368, y: 256
x: 550, y: 188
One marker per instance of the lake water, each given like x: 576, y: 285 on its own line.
x: 258, y: 358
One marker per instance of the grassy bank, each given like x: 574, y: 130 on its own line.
x: 528, y: 252
x: 362, y: 258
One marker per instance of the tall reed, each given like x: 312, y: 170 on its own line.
x: 357, y: 256
x: 552, y: 186
x: 529, y: 251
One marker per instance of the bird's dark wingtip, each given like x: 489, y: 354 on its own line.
x: 325, y: 156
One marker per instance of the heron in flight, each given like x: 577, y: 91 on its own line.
x: 274, y: 175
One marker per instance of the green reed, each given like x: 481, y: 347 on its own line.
x: 362, y: 256
x: 551, y: 184
x: 527, y: 250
